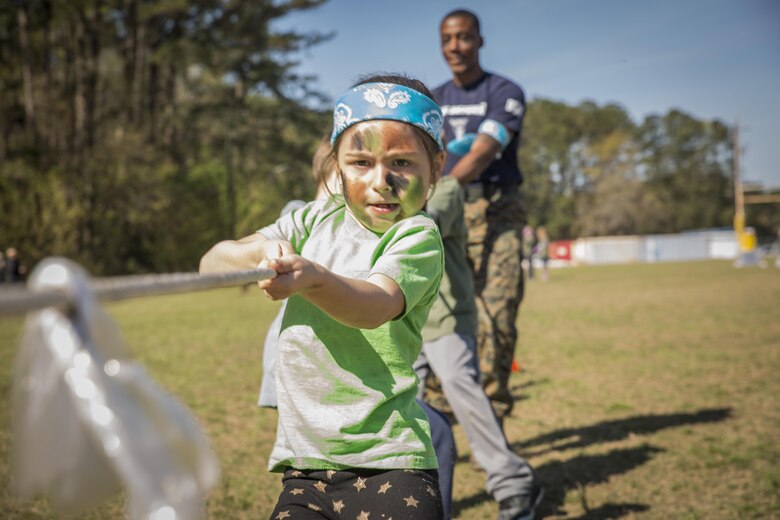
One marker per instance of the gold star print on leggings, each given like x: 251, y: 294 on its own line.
x: 359, y: 495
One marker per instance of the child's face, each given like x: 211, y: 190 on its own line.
x: 385, y: 171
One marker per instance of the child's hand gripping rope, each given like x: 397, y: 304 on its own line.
x: 294, y: 274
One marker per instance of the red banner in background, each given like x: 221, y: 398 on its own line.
x: 560, y: 250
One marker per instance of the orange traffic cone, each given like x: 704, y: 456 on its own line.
x: 515, y: 366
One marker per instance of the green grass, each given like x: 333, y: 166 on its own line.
x: 646, y: 391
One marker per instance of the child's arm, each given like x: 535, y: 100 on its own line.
x: 364, y: 304
x: 243, y: 254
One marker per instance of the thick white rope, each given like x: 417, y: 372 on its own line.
x: 15, y: 301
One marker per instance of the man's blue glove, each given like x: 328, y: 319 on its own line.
x: 461, y: 146
x: 488, y: 127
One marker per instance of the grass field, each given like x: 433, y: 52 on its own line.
x: 646, y: 391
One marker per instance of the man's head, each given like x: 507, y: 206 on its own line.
x: 460, y: 44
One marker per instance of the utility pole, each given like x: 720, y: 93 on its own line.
x: 746, y: 238
x: 739, y: 196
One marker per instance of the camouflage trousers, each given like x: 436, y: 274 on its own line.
x: 495, y: 248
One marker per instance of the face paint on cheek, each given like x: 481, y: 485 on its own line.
x: 414, y: 196
x: 362, y: 216
x: 351, y: 193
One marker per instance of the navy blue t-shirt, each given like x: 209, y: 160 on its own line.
x: 492, y: 97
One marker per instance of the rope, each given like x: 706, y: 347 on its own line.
x: 15, y: 301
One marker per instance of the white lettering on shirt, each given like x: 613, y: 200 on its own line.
x: 458, y: 125
x: 480, y: 109
x: 514, y: 107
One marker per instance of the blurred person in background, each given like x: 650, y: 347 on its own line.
x: 324, y: 174
x: 528, y: 251
x: 449, y: 352
x: 542, y: 250
x: 13, y: 269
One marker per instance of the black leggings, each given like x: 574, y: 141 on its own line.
x: 362, y: 494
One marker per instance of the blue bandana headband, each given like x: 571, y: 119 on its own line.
x: 390, y: 102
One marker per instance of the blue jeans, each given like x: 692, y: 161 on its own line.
x: 444, y: 445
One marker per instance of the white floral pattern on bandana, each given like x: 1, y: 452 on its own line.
x: 342, y: 116
x: 390, y: 102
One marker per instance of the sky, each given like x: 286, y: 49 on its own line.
x: 713, y: 59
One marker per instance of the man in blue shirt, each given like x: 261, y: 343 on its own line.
x: 483, y: 119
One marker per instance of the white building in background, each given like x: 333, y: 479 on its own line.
x: 720, y: 244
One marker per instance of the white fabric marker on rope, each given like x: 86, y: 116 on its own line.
x: 87, y: 419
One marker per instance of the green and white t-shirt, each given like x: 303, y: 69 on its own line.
x: 346, y: 396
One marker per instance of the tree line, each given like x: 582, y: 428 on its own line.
x: 592, y: 171
x: 134, y: 134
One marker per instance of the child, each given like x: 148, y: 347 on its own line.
x: 267, y: 396
x: 324, y: 173
x: 361, y: 272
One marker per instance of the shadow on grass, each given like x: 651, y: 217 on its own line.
x: 527, y: 384
x: 517, y: 396
x: 577, y: 473
x: 616, y: 430
x: 458, y: 506
x: 608, y: 511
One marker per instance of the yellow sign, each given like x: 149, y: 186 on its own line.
x: 747, y: 240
